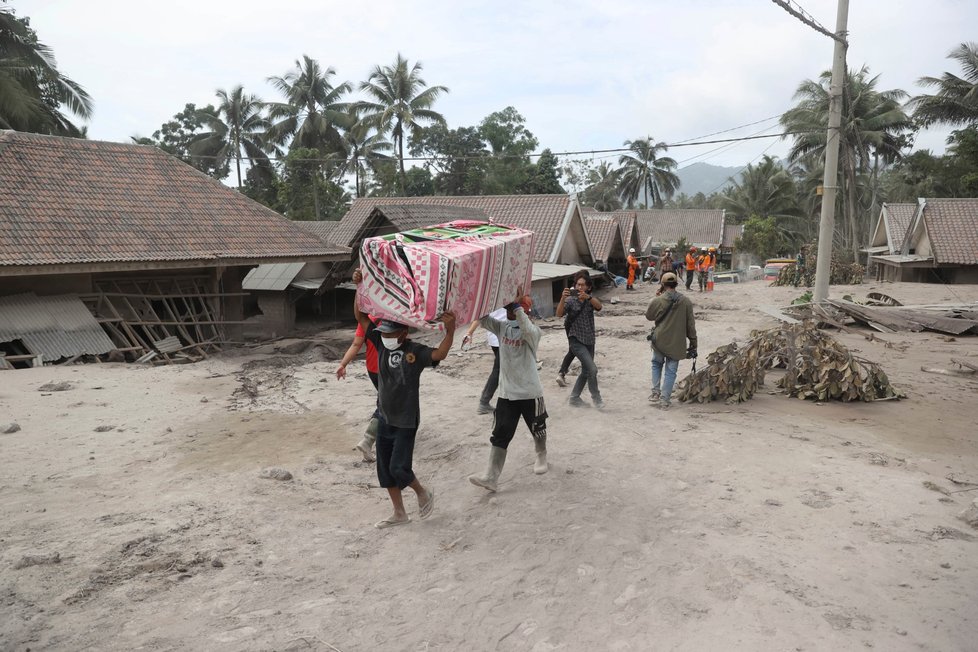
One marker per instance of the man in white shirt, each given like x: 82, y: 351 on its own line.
x: 520, y: 391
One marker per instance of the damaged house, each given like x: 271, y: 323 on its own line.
x: 111, y: 246
x: 935, y: 241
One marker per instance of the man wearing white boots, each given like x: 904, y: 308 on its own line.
x: 520, y: 392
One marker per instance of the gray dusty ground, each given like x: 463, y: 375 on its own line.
x: 133, y: 514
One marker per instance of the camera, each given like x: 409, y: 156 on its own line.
x: 573, y: 292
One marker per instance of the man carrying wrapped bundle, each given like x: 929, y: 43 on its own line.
x: 520, y: 391
x: 400, y: 363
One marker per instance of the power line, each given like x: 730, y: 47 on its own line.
x: 808, y: 19
x: 483, y: 157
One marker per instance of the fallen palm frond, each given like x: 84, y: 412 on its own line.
x: 816, y: 367
x: 839, y: 274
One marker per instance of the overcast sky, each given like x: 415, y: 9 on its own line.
x: 585, y: 74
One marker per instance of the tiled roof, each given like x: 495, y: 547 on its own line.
x: 416, y: 216
x: 952, y: 225
x: 898, y: 218
x: 542, y: 214
x: 730, y: 234
x: 626, y: 222
x: 668, y: 226
x: 66, y: 201
x: 602, y: 231
x: 321, y: 229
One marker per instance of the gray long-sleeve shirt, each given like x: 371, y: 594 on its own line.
x: 518, y: 342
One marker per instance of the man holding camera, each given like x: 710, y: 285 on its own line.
x: 672, y: 313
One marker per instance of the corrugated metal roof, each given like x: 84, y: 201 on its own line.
x: 55, y: 327
x: 542, y: 271
x: 273, y: 276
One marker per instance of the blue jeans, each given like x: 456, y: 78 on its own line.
x: 672, y: 368
x: 589, y: 370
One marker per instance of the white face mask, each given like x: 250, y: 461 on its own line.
x: 391, y: 343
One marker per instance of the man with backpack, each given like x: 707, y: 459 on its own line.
x: 672, y: 313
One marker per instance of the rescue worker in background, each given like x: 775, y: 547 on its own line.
x: 703, y: 268
x: 711, y: 270
x: 690, y: 267
x: 633, y: 269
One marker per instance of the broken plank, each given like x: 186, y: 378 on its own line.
x: 775, y: 312
x: 948, y: 372
x: 964, y: 363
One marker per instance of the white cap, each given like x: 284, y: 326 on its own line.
x: 632, y: 250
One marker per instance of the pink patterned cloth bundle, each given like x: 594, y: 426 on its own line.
x: 469, y: 268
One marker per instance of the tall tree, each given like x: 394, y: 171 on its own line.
x: 956, y: 100
x: 644, y: 172
x: 457, y: 158
x: 602, y: 190
x: 400, y: 102
x: 873, y: 131
x: 508, y: 169
x: 545, y: 176
x: 237, y: 130
x: 32, y: 90
x: 312, y: 114
x: 176, y: 136
x: 363, y: 147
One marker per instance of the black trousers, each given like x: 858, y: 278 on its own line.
x: 507, y: 416
x: 566, y: 362
x: 395, y: 455
x: 493, y: 381
x: 689, y: 278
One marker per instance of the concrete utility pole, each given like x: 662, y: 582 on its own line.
x: 830, y: 182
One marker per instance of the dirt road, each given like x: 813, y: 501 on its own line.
x: 133, y: 513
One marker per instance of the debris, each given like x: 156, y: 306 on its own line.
x: 964, y: 363
x: 55, y: 387
x: 37, y: 560
x: 104, y: 428
x: 273, y: 473
x: 970, y: 515
x: 839, y: 274
x: 948, y: 372
x: 889, y: 319
x: 775, y: 312
x: 816, y: 367
x: 933, y: 486
x: 294, y: 348
x: 217, y: 563
x: 11, y: 428
x: 941, y: 532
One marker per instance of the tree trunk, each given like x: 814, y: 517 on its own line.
x: 237, y: 162
x: 400, y: 157
x: 356, y: 175
x: 315, y: 191
x: 853, y: 218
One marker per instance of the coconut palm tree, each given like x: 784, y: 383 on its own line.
x: 400, y: 101
x: 237, y: 126
x: 363, y: 147
x: 956, y: 100
x: 644, y: 172
x: 312, y: 114
x: 32, y: 91
x: 765, y: 189
x: 873, y: 131
x: 602, y: 189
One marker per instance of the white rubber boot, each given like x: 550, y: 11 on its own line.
x: 367, y: 443
x: 497, y: 458
x: 541, y: 466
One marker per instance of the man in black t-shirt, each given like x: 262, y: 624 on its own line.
x: 400, y: 363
